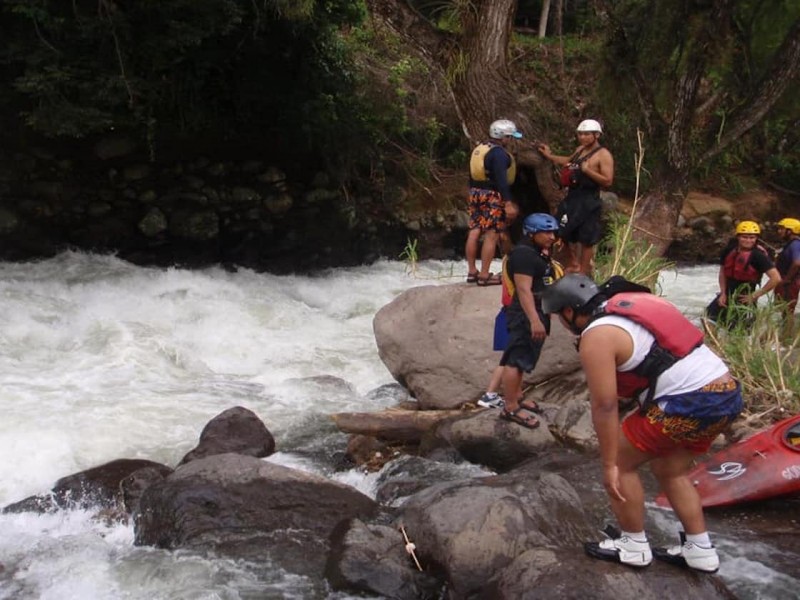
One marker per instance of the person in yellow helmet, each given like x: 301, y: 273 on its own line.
x: 743, y: 263
x: 788, y: 265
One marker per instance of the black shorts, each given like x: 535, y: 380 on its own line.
x: 579, y: 215
x: 522, y: 351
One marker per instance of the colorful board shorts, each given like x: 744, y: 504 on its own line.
x: 487, y: 210
x: 690, y: 421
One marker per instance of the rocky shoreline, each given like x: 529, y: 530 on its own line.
x: 490, y: 509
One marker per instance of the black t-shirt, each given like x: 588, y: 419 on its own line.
x: 526, y: 259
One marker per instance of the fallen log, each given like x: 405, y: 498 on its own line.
x: 392, y: 424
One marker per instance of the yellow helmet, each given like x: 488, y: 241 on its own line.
x: 792, y: 225
x: 748, y: 227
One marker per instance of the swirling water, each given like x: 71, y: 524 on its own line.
x: 100, y: 359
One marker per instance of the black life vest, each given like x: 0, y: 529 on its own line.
x: 675, y: 338
x: 571, y: 175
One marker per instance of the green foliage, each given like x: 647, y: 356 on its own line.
x: 230, y: 69
x: 649, y: 47
x: 410, y: 256
x: 620, y: 254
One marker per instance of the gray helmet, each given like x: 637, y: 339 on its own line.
x: 573, y: 291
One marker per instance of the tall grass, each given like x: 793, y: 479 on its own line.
x: 767, y: 364
x: 619, y: 253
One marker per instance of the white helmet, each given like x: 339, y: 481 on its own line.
x: 502, y: 128
x: 590, y: 125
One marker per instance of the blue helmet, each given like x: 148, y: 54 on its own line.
x: 539, y: 222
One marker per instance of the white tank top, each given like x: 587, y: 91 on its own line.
x: 692, y: 372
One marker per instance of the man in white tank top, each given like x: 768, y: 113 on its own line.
x: 693, y: 399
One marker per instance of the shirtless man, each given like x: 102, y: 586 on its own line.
x: 588, y: 170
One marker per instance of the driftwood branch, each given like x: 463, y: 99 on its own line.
x: 392, y: 424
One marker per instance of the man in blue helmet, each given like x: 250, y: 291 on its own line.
x: 531, y: 269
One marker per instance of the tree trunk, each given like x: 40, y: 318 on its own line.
x: 476, y: 64
x: 545, y: 14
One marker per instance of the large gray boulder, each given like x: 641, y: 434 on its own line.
x: 246, y: 508
x: 437, y: 342
x: 521, y: 535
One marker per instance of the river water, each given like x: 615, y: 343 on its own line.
x: 101, y: 359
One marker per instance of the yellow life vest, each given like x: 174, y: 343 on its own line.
x: 477, y: 168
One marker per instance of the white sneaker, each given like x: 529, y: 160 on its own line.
x: 622, y: 549
x: 689, y: 554
x: 491, y: 400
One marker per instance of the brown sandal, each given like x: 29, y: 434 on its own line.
x: 519, y: 417
x: 490, y: 279
x: 472, y: 277
x: 530, y: 406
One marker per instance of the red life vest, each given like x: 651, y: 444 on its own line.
x: 737, y: 266
x: 675, y: 338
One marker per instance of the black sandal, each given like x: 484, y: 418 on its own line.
x: 490, y: 279
x: 472, y: 277
x: 518, y: 417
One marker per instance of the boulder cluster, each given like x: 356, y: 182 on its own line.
x: 466, y: 505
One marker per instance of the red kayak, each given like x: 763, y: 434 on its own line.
x: 762, y: 466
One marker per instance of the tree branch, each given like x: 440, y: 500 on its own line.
x: 784, y: 68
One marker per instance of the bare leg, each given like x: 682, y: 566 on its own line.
x: 571, y: 264
x: 586, y: 259
x: 471, y: 249
x: 488, y: 251
x: 672, y: 474
x: 512, y: 385
x: 496, y: 380
x: 630, y: 514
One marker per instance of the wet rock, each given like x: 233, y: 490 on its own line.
x: 99, y: 487
x: 237, y: 430
x: 372, y: 559
x: 245, y: 508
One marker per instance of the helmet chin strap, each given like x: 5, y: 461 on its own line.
x: 571, y: 324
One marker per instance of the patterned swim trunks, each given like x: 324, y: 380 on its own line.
x: 487, y: 210
x: 691, y: 421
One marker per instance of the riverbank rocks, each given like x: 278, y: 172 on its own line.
x: 236, y: 430
x: 102, y: 487
x: 243, y: 507
x: 518, y: 535
x: 437, y: 342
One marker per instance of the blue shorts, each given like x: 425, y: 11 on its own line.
x: 500, y: 331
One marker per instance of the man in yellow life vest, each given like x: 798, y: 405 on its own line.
x: 492, y: 170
